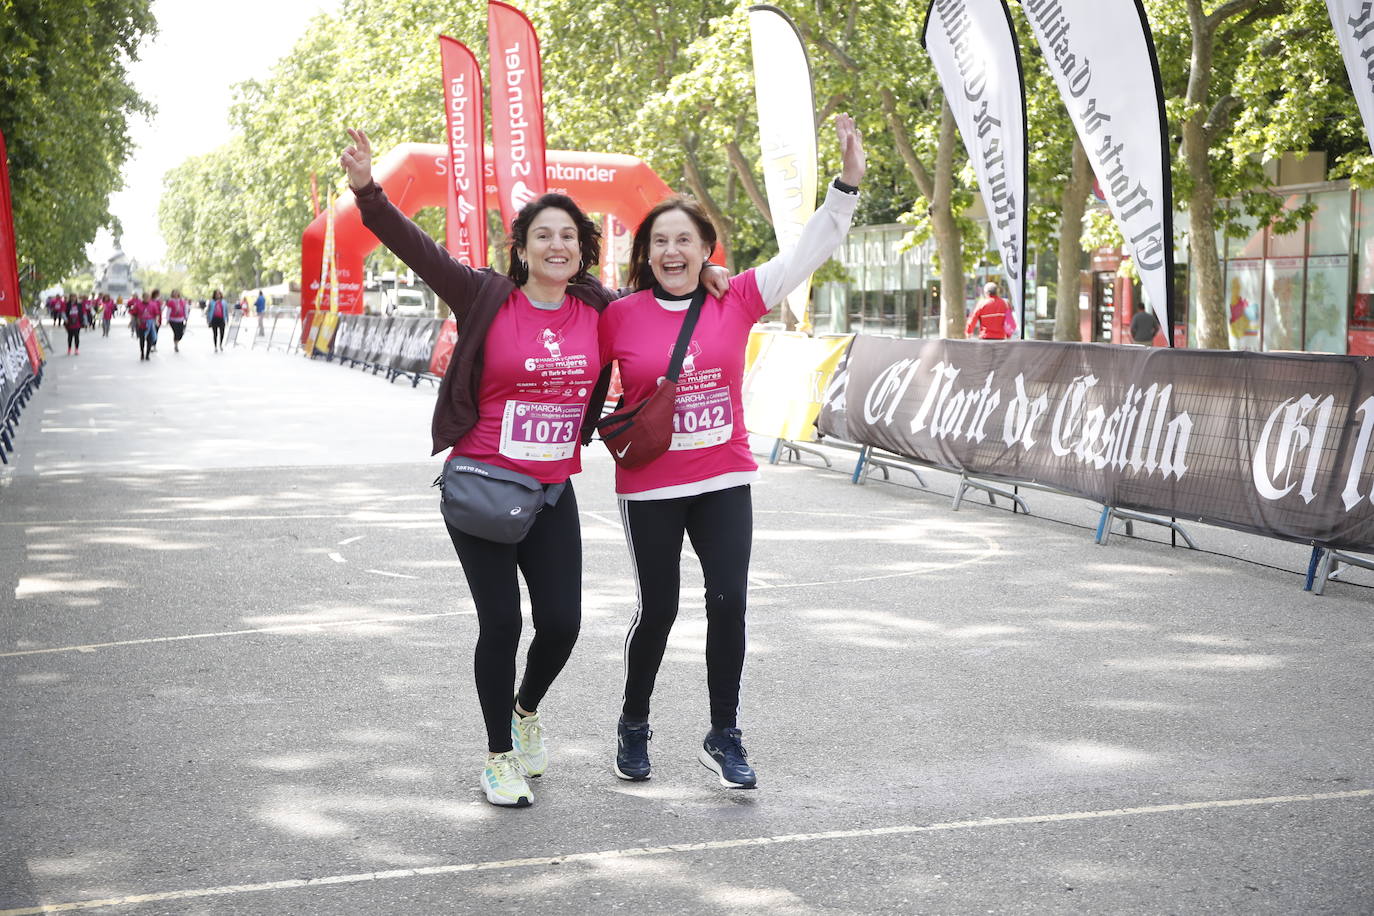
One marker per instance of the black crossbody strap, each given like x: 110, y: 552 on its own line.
x: 684, y: 337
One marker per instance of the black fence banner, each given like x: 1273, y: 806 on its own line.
x: 405, y: 345
x: 16, y: 366
x: 1275, y: 444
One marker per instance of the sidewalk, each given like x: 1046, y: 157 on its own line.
x: 235, y: 650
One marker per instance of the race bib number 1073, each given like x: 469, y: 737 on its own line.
x: 540, y: 432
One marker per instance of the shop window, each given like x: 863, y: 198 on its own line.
x: 1362, y: 303
x: 1244, y: 286
x: 1283, y: 285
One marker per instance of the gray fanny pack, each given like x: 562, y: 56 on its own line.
x: 490, y: 502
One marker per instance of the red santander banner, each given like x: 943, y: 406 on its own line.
x: 517, y: 108
x: 467, y: 205
x: 443, y: 348
x: 10, y: 304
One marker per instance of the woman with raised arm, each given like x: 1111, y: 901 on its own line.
x: 700, y: 486
x: 526, y: 361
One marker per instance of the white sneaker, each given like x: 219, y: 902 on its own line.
x: 527, y: 736
x: 503, y: 780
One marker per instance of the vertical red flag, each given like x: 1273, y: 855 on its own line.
x: 517, y: 108
x: 467, y: 192
x: 10, y: 304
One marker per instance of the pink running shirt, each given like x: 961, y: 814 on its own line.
x: 709, y: 438
x: 176, y: 309
x: 538, y: 370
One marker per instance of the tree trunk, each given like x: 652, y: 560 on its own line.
x: 1067, y: 320
x: 1212, y: 320
x: 746, y: 179
x: 703, y: 195
x: 948, y: 240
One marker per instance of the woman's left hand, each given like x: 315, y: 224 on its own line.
x: 853, y: 159
x: 716, y: 279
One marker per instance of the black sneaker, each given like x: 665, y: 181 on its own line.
x: 632, y: 751
x: 723, y: 754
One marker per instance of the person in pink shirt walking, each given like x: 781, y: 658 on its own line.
x: 217, y: 316
x: 176, y: 318
x: 107, y: 310
x: 700, y: 487
x: 149, y: 320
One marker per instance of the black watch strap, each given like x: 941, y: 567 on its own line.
x: 846, y: 188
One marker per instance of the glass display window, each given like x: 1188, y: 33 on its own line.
x: 1244, y: 290
x: 1283, y: 290
x: 1328, y: 287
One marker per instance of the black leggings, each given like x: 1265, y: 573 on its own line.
x: 721, y: 526
x: 178, y: 328
x: 217, y: 330
x: 73, y: 338
x: 550, y: 558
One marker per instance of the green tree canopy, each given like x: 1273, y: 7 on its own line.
x: 65, y: 107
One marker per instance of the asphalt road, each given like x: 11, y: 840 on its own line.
x: 235, y: 659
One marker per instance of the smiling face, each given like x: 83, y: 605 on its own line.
x: 676, y: 252
x: 552, y: 250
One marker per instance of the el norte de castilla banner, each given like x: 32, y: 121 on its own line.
x: 973, y: 47
x: 1275, y: 444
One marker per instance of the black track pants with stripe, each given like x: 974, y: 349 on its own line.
x: 721, y: 528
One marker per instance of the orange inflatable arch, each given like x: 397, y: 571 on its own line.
x: 414, y: 176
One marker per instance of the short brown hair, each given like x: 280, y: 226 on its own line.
x: 588, y: 235
x: 641, y: 274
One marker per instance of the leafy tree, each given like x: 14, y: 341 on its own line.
x: 65, y: 106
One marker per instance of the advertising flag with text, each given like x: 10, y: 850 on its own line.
x: 517, y: 109
x: 10, y: 304
x: 1102, y: 56
x: 787, y: 131
x: 1353, y: 21
x: 466, y: 225
x: 973, y: 47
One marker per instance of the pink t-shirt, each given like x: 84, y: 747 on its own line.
x: 538, y: 370
x: 107, y: 309
x: 176, y: 309
x: 709, y: 438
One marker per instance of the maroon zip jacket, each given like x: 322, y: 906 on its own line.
x: 474, y: 296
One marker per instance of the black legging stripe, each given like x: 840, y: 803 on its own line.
x: 720, y: 526
x: 73, y: 338
x: 550, y: 559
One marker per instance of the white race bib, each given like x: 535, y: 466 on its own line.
x: 531, y: 431
x: 702, y: 419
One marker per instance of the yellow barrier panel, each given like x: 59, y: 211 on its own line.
x: 786, y: 381
x: 324, y: 332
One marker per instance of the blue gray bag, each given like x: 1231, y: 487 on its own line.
x: 491, y: 502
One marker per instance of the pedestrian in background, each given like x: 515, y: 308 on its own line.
x: 176, y: 318
x: 260, y: 306
x: 107, y: 310
x: 149, y: 319
x: 217, y: 315
x: 1144, y: 326
x: 75, y: 318
x: 992, y: 317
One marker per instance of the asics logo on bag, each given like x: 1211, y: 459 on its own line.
x: 515, y: 511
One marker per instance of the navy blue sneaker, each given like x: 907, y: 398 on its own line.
x: 632, y: 751
x: 723, y: 754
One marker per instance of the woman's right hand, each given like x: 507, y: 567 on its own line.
x: 357, y: 160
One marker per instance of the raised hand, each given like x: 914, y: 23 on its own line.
x: 357, y: 160
x: 853, y: 159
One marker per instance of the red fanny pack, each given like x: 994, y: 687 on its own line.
x: 639, y: 433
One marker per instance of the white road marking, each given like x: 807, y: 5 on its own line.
x: 603, y: 519
x: 383, y: 572
x: 337, y: 557
x: 347, y: 541
x: 148, y: 519
x: 284, y: 628
x: 707, y: 846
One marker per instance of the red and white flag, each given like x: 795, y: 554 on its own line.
x: 10, y: 304
x: 467, y: 199
x: 517, y: 108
